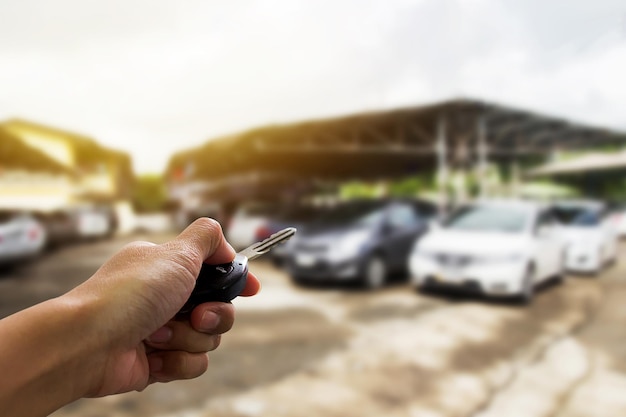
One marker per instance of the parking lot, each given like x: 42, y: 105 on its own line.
x: 343, y: 351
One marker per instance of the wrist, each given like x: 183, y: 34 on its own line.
x: 50, y: 355
x: 81, y: 324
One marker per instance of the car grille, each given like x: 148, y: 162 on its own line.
x: 453, y: 260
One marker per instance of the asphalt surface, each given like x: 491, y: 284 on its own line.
x: 341, y: 351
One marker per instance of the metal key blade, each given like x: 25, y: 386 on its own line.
x: 259, y: 248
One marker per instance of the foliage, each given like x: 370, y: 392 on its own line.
x: 357, y: 190
x: 149, y: 193
x: 408, y: 187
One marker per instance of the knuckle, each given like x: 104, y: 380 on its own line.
x: 192, y: 365
x: 209, y: 224
x: 182, y: 365
x: 137, y: 247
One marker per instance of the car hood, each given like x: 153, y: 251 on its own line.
x: 473, y: 243
x: 575, y: 234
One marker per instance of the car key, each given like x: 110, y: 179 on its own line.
x: 226, y: 281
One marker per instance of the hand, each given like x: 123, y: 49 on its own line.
x: 137, y: 292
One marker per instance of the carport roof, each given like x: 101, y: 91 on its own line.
x: 15, y: 154
x: 582, y: 165
x: 386, y: 144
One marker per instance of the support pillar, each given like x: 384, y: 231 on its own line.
x: 442, y: 164
x: 515, y: 182
x: 483, y: 157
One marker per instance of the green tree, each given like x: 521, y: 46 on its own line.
x: 411, y: 187
x: 150, y: 193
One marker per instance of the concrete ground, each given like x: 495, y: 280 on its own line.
x: 340, y: 351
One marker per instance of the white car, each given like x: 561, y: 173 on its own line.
x: 590, y: 235
x: 92, y: 222
x: 618, y: 220
x: 249, y: 224
x: 21, y: 236
x: 499, y: 249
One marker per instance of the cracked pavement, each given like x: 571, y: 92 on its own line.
x: 340, y: 351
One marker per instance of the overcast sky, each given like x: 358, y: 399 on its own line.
x: 155, y: 76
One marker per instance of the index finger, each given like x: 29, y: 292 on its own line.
x: 253, y: 286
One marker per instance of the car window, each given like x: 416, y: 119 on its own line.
x: 588, y: 218
x: 402, y: 216
x: 579, y: 215
x: 566, y: 215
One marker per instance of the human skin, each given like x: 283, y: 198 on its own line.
x: 115, y: 332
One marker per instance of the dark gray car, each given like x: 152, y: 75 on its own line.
x: 363, y: 240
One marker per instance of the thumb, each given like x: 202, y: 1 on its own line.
x: 203, y: 241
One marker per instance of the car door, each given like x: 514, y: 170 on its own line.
x: 403, y: 226
x: 609, y: 235
x: 548, y: 246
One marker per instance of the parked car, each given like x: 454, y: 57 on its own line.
x: 590, y: 235
x: 618, y: 220
x: 249, y: 224
x: 362, y: 240
x: 60, y: 225
x: 93, y: 222
x: 494, y: 248
x: 298, y: 216
x: 21, y: 236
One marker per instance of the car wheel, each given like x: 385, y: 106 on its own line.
x: 299, y: 281
x: 375, y: 273
x: 528, y: 286
x: 422, y: 288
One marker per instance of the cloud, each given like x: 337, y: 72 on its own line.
x: 153, y: 77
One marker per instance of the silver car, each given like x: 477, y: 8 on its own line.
x: 21, y: 236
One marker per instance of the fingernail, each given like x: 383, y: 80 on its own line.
x: 155, y: 363
x: 209, y: 320
x: 161, y: 336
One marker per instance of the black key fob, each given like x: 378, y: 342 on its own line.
x: 218, y: 283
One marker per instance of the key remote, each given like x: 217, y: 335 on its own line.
x: 218, y: 283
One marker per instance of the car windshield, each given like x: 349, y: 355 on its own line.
x: 352, y: 214
x: 489, y: 219
x: 587, y: 218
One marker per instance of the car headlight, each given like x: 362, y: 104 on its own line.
x: 499, y: 258
x: 348, y: 246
